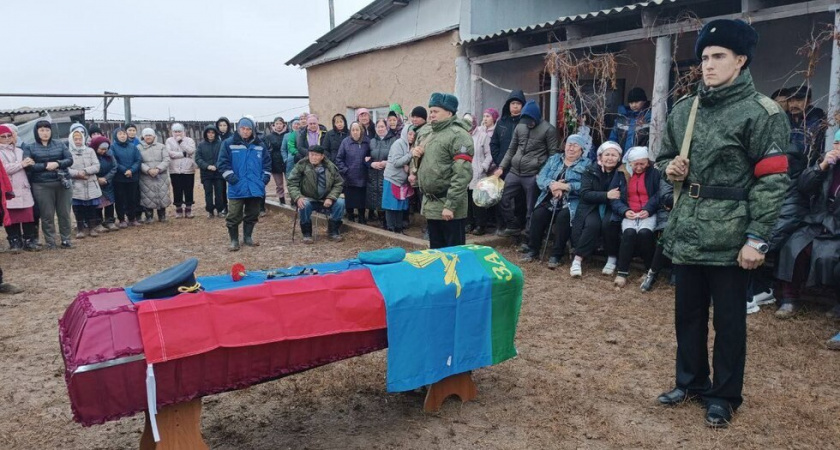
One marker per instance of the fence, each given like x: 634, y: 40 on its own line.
x: 192, y: 128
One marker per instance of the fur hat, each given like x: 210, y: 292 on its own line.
x: 636, y: 94
x: 448, y: 102
x: 735, y: 35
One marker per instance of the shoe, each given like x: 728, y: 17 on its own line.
x: 233, y: 232
x: 80, y: 233
x: 247, y: 231
x: 110, y: 226
x: 188, y: 212
x: 30, y: 246
x: 92, y: 232
x: 15, y: 245
x: 752, y: 307
x: 479, y: 231
x: 528, y: 257
x: 718, y: 416
x: 469, y: 229
x: 306, y: 231
x: 833, y: 313
x: 508, y: 232
x: 554, y: 262
x: 764, y: 298
x: 263, y: 213
x: 351, y: 218
x: 524, y: 248
x: 833, y: 343
x: 66, y: 245
x: 649, y: 280
x: 223, y: 214
x: 362, y: 219
x: 99, y: 229
x: 179, y: 212
x: 123, y: 224
x: 609, y: 269
x: 135, y: 223
x: 620, y: 281
x: 210, y: 215
x: 333, y: 231
x: 9, y: 289
x: 426, y: 234
x: 576, y: 271
x: 788, y: 310
x: 674, y: 397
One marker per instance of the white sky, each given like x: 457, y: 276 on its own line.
x: 163, y: 47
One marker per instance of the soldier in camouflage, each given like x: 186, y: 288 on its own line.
x: 734, y: 180
x: 444, y: 172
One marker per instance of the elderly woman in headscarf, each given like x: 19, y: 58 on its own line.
x: 105, y: 178
x: 380, y: 146
x: 51, y: 185
x: 335, y: 136
x: 366, y: 121
x: 395, y: 123
x: 21, y: 225
x: 593, y: 215
x: 182, y: 166
x: 351, y: 164
x: 86, y: 191
x: 481, y: 164
x: 559, y: 185
x: 396, y: 189
x: 636, y: 209
x: 154, y: 178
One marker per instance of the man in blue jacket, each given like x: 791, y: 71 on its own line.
x: 245, y: 164
x: 632, y: 127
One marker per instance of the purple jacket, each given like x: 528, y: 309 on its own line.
x: 351, y: 161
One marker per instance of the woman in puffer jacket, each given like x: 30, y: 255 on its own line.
x: 154, y: 177
x: 22, y: 228
x: 182, y: 166
x: 86, y: 191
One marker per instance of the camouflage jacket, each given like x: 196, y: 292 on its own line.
x: 738, y: 139
x: 445, y: 170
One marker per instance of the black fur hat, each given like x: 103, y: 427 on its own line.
x: 735, y: 35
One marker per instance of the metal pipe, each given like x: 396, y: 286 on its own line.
x: 127, y: 109
x: 332, y: 14
x: 834, y: 87
x: 552, y: 99
x: 289, y: 97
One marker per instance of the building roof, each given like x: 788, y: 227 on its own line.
x: 565, y: 20
x: 369, y: 15
x: 48, y: 109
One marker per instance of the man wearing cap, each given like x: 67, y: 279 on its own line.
x: 734, y: 179
x: 534, y: 141
x: 444, y: 172
x: 246, y: 166
x: 315, y: 185
x: 807, y: 123
x: 632, y: 127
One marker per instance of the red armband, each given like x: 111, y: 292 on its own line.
x: 463, y: 156
x: 770, y: 165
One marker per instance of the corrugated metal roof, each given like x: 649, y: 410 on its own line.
x: 369, y: 15
x: 569, y: 19
x: 29, y: 110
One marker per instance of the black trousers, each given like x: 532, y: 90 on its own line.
x: 446, y: 233
x: 642, y: 243
x: 394, y: 220
x: 215, y: 195
x: 696, y: 286
x: 659, y: 259
x: 106, y: 214
x: 183, y: 185
x: 22, y: 230
x: 540, y: 219
x: 476, y: 215
x: 86, y: 216
x: 127, y: 196
x: 588, y: 232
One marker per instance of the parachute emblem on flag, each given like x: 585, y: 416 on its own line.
x: 424, y: 258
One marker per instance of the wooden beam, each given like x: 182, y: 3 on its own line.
x: 781, y: 12
x: 516, y: 43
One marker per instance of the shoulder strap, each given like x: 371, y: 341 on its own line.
x: 686, y: 144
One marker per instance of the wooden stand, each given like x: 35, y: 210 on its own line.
x: 179, y: 426
x: 461, y: 385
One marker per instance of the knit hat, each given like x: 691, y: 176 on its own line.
x: 5, y: 130
x: 494, y: 113
x: 245, y: 122
x: 95, y: 129
x: 581, y: 140
x: 316, y: 149
x: 637, y: 153
x: 735, y: 35
x: 448, y: 102
x: 419, y: 111
x: 636, y: 94
x: 532, y: 110
x: 177, y: 127
x: 147, y: 132
x: 361, y: 111
x: 610, y: 145
x: 98, y: 141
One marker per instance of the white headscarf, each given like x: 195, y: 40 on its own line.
x: 72, y: 145
x: 635, y: 154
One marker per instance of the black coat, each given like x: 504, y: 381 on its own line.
x: 820, y: 227
x: 795, y: 205
x: 594, y: 184
x: 274, y: 142
x: 207, y: 153
x: 503, y: 133
x: 333, y: 142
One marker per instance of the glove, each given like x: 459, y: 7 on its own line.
x: 10, y: 195
x: 266, y: 179
x: 232, y: 179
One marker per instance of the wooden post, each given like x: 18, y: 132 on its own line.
x: 834, y: 87
x: 661, y: 88
x: 461, y: 385
x: 179, y: 426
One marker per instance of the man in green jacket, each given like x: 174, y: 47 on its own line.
x: 734, y: 180
x: 316, y: 185
x: 445, y: 171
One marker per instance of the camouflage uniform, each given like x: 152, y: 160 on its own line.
x: 736, y: 147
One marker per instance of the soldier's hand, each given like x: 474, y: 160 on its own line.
x: 750, y: 258
x: 447, y: 214
x: 677, y: 170
x: 417, y: 151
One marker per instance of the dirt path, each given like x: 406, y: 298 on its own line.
x: 592, y: 362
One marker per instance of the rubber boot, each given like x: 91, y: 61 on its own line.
x: 333, y: 230
x: 306, y: 231
x: 30, y: 246
x: 233, y: 232
x: 248, y: 231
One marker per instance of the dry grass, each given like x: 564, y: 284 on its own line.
x: 592, y: 361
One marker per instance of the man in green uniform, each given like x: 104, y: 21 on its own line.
x: 733, y: 183
x: 445, y: 171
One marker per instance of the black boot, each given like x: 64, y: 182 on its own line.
x: 351, y: 216
x: 30, y: 246
x: 161, y: 215
x: 233, y: 232
x: 15, y: 244
x: 306, y: 231
x: 248, y: 230
x: 282, y: 200
x: 650, y: 279
x: 362, y: 219
x: 333, y: 229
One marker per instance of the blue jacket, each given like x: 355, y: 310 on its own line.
x: 631, y: 129
x: 107, y: 170
x: 245, y: 165
x: 128, y: 158
x: 550, y: 172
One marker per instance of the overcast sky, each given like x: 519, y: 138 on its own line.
x: 163, y: 47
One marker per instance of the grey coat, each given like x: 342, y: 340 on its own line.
x: 85, y: 162
x: 379, y: 149
x: 154, y: 191
x: 398, y: 158
x: 530, y: 149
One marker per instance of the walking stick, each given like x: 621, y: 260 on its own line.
x: 294, y: 224
x: 550, y: 226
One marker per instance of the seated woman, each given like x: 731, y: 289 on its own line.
x: 666, y: 203
x: 593, y: 214
x: 636, y: 210
x: 559, y: 184
x: 812, y: 254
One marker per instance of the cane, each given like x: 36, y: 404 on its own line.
x: 294, y: 224
x: 550, y: 226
